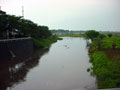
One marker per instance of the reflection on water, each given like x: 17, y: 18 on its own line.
x: 14, y: 70
x: 64, y: 67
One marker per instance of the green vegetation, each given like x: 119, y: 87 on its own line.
x: 88, y: 70
x: 91, y: 34
x: 110, y: 35
x: 105, y: 57
x: 70, y: 35
x: 42, y: 43
x: 111, y: 42
x: 106, y: 43
x: 107, y: 74
x: 12, y: 26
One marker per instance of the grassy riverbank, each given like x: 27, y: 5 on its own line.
x: 42, y: 43
x: 105, y: 57
x: 70, y: 35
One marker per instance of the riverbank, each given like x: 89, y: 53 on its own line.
x: 70, y: 35
x: 42, y: 43
x: 105, y: 57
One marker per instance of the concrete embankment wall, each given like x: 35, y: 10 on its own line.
x: 21, y: 47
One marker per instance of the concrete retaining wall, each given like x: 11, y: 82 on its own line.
x: 16, y: 47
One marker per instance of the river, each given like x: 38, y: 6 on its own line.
x: 62, y: 66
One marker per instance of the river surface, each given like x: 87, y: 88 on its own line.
x: 62, y: 66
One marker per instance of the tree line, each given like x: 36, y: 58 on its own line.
x: 12, y: 26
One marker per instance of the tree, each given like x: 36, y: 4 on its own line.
x: 17, y: 26
x: 3, y: 25
x: 109, y: 35
x: 8, y: 23
x: 91, y: 34
x: 101, y: 36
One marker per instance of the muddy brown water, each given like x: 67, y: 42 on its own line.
x: 62, y: 66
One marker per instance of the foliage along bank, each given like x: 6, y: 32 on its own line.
x: 105, y: 57
x: 42, y: 43
x: 12, y: 26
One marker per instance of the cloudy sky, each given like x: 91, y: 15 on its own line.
x: 68, y: 14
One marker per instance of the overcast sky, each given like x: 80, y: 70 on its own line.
x: 68, y: 14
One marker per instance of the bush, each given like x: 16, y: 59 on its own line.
x: 104, y: 70
x: 41, y: 43
x: 91, y: 34
x: 109, y: 35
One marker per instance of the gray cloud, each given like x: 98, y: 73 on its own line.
x: 68, y: 14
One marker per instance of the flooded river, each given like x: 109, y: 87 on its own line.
x: 62, y: 66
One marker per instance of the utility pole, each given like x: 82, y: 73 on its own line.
x: 23, y: 11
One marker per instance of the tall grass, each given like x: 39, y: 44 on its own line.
x: 106, y: 62
x: 42, y: 43
x: 109, y: 41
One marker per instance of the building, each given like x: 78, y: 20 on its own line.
x: 2, y: 12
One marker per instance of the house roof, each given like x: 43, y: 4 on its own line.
x: 2, y: 12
